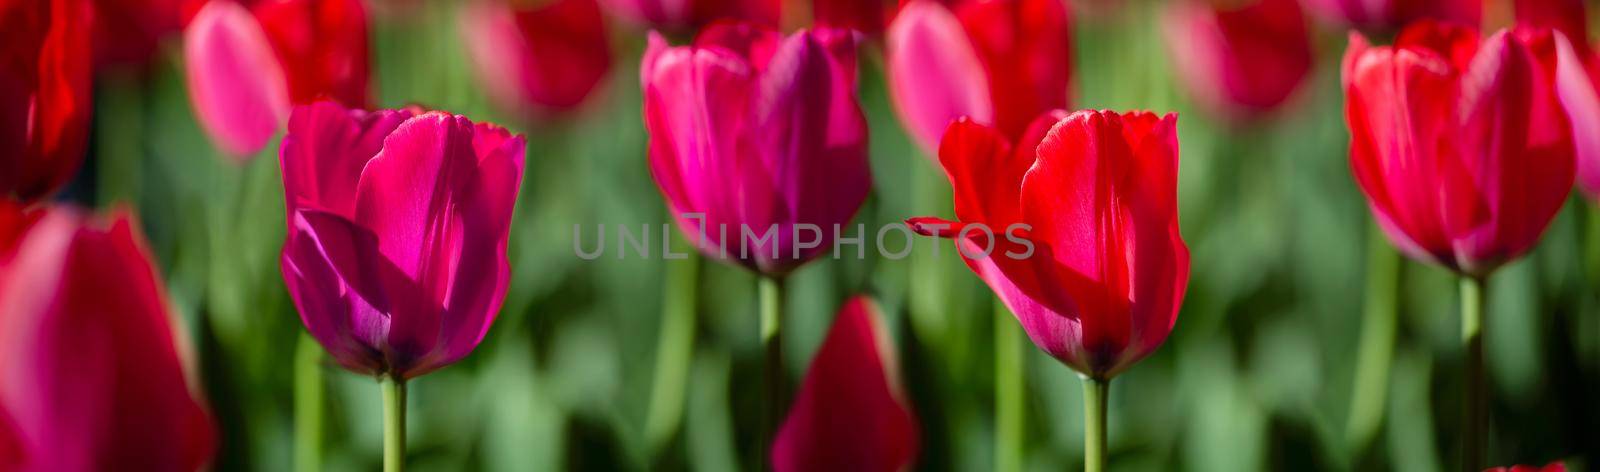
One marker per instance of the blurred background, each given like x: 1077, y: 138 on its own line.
x: 640, y: 363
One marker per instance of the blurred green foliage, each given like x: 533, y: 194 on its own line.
x: 1259, y: 373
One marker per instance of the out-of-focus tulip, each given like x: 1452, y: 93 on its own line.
x: 236, y: 84
x: 866, y: 16
x: 1240, y: 59
x: 851, y: 412
x: 999, y: 62
x: 1080, y: 223
x: 45, y: 65
x: 92, y: 375
x: 398, y: 223
x: 1390, y: 15
x: 1460, y: 144
x: 688, y: 14
x: 540, y: 58
x: 245, y: 70
x: 1551, y: 467
x: 755, y: 131
x: 1576, y: 79
x: 130, y: 31
x: 322, y: 46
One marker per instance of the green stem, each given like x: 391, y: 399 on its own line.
x: 771, y: 293
x: 1008, y: 390
x: 1475, y: 421
x: 308, y: 405
x: 1376, y: 349
x: 1095, y: 392
x: 394, y: 424
x: 673, y: 352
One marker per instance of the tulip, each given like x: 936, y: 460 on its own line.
x: 544, y: 58
x: 688, y: 14
x: 1390, y: 15
x: 1242, y: 59
x: 396, y: 249
x: 1551, y: 467
x: 866, y: 16
x: 1576, y: 80
x: 92, y: 374
x: 245, y: 70
x: 1075, y: 228
x: 999, y: 63
x: 851, y: 412
x: 129, y: 32
x: 44, y: 94
x: 1465, y: 155
x: 755, y: 131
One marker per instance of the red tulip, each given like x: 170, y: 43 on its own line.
x: 866, y: 16
x: 130, y: 31
x: 1462, y: 148
x: 1389, y: 15
x: 999, y: 62
x: 396, y: 249
x: 851, y: 412
x: 245, y: 70
x: 92, y: 376
x: 689, y: 14
x: 1577, y: 77
x: 1080, y: 223
x: 44, y: 94
x: 1551, y: 467
x: 1240, y: 59
x: 322, y: 45
x: 544, y: 58
x: 757, y: 131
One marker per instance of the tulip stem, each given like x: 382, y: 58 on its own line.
x: 394, y: 424
x: 1475, y: 421
x: 308, y: 394
x: 1008, y: 390
x: 1095, y: 392
x: 771, y: 293
x: 1376, y: 349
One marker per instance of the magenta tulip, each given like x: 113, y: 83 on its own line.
x: 851, y: 412
x: 685, y: 14
x: 1460, y: 144
x: 1390, y: 15
x: 999, y: 63
x: 398, y: 223
x: 1241, y: 60
x: 539, y: 59
x: 757, y: 132
x: 92, y: 375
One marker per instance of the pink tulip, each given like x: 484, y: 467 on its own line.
x: 1242, y: 59
x: 1577, y: 80
x: 398, y: 224
x: 540, y: 59
x: 851, y: 412
x: 999, y: 63
x: 1459, y: 143
x: 1082, y: 222
x: 44, y: 94
x: 754, y: 131
x: 92, y: 376
x: 240, y: 94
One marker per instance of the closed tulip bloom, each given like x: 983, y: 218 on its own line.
x: 1239, y: 59
x: 537, y: 58
x: 1391, y: 15
x: 999, y: 63
x: 1081, y: 221
x: 1576, y: 80
x: 755, y: 131
x: 851, y: 412
x: 92, y: 373
x: 322, y: 46
x: 398, y: 223
x: 237, y: 86
x: 45, y: 67
x: 1460, y: 144
x: 689, y: 14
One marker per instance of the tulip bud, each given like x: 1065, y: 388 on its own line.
x: 44, y: 94
x: 1080, y: 219
x: 396, y: 248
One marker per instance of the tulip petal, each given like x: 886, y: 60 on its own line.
x: 1026, y: 48
x: 324, y: 151
x: 1578, y: 95
x: 985, y: 175
x: 934, y: 72
x: 851, y: 412
x: 337, y: 279
x: 236, y: 84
